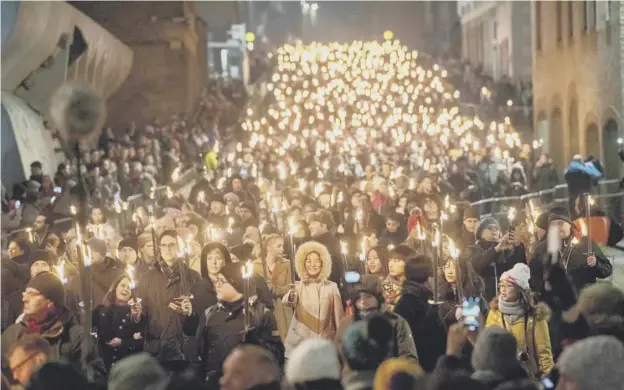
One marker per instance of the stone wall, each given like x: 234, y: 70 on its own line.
x: 577, y: 81
x: 169, y: 69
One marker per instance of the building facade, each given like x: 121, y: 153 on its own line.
x: 577, y: 79
x: 497, y: 36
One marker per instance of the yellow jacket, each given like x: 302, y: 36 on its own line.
x: 539, y: 322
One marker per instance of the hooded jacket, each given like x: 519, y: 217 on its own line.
x: 317, y: 304
x: 490, y: 265
x: 536, y: 341
x: 332, y: 245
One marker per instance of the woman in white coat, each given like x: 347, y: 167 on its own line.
x: 316, y: 300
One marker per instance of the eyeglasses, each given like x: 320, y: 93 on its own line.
x: 170, y: 246
x: 31, y: 294
x: 22, y: 363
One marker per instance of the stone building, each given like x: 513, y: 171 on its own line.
x: 169, y: 69
x: 497, y: 36
x: 577, y: 79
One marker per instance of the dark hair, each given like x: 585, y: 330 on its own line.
x: 171, y: 233
x: 102, y: 209
x: 383, y: 255
x: 472, y: 284
x: 22, y: 243
x: 111, y: 296
x: 36, y: 164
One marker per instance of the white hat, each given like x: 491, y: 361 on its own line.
x: 311, y: 360
x: 518, y: 275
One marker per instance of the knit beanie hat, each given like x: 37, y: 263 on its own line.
x: 140, y: 371
x: 232, y: 273
x: 231, y: 197
x: 559, y: 214
x: 397, y: 373
x: 416, y: 218
x: 98, y: 246
x: 311, y: 360
x: 365, y: 344
x: 495, y: 350
x: 594, y: 363
x: 249, y: 205
x: 50, y: 287
x: 369, y: 284
x: 324, y: 217
x: 518, y: 275
x: 471, y: 212
x: 143, y: 239
x: 600, y: 304
x: 129, y: 242
x: 485, y: 223
x: 217, y: 198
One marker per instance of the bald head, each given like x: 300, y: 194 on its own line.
x: 248, y: 366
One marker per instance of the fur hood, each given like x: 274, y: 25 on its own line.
x: 542, y: 311
x: 303, y: 251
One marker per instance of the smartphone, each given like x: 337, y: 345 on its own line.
x: 58, y: 190
x: 547, y: 383
x: 470, y: 312
x: 352, y: 277
x: 18, y: 204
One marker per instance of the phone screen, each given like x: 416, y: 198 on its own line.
x: 470, y: 312
x: 352, y: 277
x: 18, y: 204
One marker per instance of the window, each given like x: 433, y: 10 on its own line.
x: 559, y: 16
x: 570, y: 20
x: 538, y: 25
x: 589, y: 15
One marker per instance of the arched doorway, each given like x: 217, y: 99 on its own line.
x: 573, y: 129
x: 612, y: 161
x: 592, y: 139
x: 556, y: 141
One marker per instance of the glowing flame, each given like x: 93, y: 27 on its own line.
x: 247, y: 270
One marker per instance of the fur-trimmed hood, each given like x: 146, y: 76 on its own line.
x: 542, y: 311
x: 303, y: 251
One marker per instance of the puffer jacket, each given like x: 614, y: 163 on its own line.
x: 536, y: 340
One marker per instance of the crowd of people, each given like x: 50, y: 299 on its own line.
x: 324, y: 241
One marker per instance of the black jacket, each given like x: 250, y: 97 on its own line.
x: 577, y: 270
x: 426, y: 326
x: 164, y: 338
x: 224, y: 329
x: 66, y: 344
x: 490, y: 265
x: 115, y: 321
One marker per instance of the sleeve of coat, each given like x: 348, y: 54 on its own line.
x: 482, y: 260
x: 405, y: 340
x: 603, y: 267
x: 338, y: 309
x: 544, y: 349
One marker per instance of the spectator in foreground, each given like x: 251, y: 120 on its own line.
x: 314, y: 365
x: 593, y: 363
x: 27, y: 356
x: 250, y: 367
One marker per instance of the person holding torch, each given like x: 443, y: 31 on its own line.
x: 120, y: 322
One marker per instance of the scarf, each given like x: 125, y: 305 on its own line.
x: 51, y: 327
x: 512, y: 309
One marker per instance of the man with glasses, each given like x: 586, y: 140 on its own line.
x: 492, y: 254
x: 165, y: 291
x: 46, y: 316
x: 27, y: 356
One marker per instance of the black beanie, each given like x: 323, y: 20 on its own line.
x: 542, y: 220
x: 233, y: 274
x: 129, y: 242
x: 418, y: 268
x: 471, y: 212
x: 559, y: 214
x: 50, y: 287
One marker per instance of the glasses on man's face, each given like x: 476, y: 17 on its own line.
x: 31, y: 294
x: 171, y: 246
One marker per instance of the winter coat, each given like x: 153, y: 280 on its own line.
x: 535, y: 341
x: 116, y: 322
x: 316, y: 302
x: 402, y: 344
x: 490, y: 265
x: 546, y: 177
x: 333, y: 246
x: 278, y: 282
x: 427, y: 329
x: 103, y: 276
x: 576, y: 268
x: 386, y: 238
x: 164, y: 338
x: 223, y: 330
x: 65, y: 337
